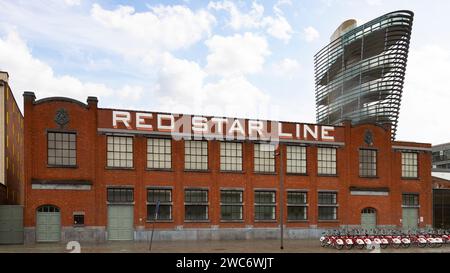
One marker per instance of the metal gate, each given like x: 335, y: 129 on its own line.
x: 441, y: 208
x: 48, y: 224
x: 120, y: 222
x: 410, y: 218
x: 369, y: 218
x: 11, y: 224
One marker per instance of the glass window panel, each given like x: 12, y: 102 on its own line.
x: 409, y: 165
x: 367, y: 163
x: 196, y: 157
x: 326, y: 161
x: 61, y: 148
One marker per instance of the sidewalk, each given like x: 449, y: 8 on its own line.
x: 242, y: 246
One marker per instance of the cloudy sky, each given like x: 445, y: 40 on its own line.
x: 251, y: 59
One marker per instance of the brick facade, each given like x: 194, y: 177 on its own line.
x: 86, y: 119
x: 11, y: 192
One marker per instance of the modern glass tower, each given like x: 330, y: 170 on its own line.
x: 359, y: 75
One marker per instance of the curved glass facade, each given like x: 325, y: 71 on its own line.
x: 359, y: 76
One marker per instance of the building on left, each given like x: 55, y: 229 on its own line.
x: 11, y: 165
x: 11, y: 146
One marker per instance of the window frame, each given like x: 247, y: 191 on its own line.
x: 259, y: 158
x: 48, y: 208
x: 241, y: 156
x: 61, y: 149
x: 120, y: 152
x: 120, y: 189
x: 335, y: 161
x: 239, y: 204
x: 151, y: 139
x: 203, y: 203
x: 190, y: 155
x: 272, y: 204
x: 162, y: 203
x: 79, y: 215
x: 303, y: 205
x: 305, y: 160
x: 364, y: 157
x: 415, y: 197
x: 334, y: 205
x: 416, y: 166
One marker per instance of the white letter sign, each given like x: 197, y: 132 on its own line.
x: 124, y: 117
x: 140, y: 121
x: 167, y: 128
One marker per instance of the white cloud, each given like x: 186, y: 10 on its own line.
x: 135, y: 36
x: 310, y: 34
x: 163, y: 27
x: 278, y: 27
x: 237, y: 54
x: 279, y: 4
x: 182, y: 88
x: 426, y: 100
x: 180, y: 79
x: 236, y: 96
x: 133, y: 93
x: 28, y: 73
x: 239, y: 20
x: 287, y: 68
x: 72, y: 2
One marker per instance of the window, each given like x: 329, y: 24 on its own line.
x: 231, y: 204
x: 120, y: 195
x: 48, y: 208
x: 164, y: 196
x: 296, y: 159
x: 61, y: 149
x: 367, y: 163
x: 196, y: 205
x: 195, y: 155
x: 327, y: 206
x: 326, y: 161
x: 264, y: 158
x: 410, y: 200
x: 159, y: 153
x: 409, y: 165
x: 230, y: 156
x: 120, y: 152
x: 265, y: 205
x: 297, y: 205
x: 78, y: 219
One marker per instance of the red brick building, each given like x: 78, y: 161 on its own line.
x: 100, y: 174
x: 11, y: 146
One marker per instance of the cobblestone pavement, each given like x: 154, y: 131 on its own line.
x: 249, y: 246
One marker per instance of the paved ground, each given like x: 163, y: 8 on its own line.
x: 249, y: 246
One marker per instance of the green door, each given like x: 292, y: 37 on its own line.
x: 410, y: 218
x: 120, y: 222
x: 368, y: 218
x: 11, y: 224
x: 48, y: 224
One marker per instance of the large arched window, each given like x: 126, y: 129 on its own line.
x: 48, y: 208
x: 369, y: 210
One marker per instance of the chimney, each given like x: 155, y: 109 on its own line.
x: 4, y: 76
x: 29, y: 97
x: 92, y: 102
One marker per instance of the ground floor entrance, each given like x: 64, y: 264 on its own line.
x: 369, y: 218
x: 48, y: 224
x: 441, y: 208
x: 120, y: 222
x: 410, y: 218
